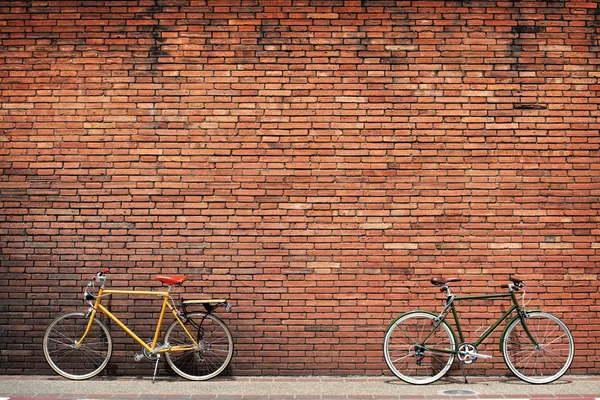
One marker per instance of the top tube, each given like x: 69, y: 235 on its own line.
x: 483, y: 296
x: 135, y: 292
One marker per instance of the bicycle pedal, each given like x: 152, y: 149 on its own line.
x: 138, y: 357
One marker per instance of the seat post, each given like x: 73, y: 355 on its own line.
x: 449, y: 300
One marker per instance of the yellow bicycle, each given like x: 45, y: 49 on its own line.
x: 197, y: 345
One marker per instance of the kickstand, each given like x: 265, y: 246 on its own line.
x: 155, y: 368
x: 462, y: 368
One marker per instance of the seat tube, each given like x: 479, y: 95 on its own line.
x: 457, y: 323
x: 160, y: 320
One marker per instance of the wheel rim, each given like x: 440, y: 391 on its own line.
x: 543, y: 363
x: 210, y: 355
x: 70, y: 360
x: 410, y: 361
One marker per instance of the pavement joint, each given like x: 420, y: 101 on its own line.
x: 294, y: 388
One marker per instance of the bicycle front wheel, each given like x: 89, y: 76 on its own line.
x: 202, y: 350
x: 542, y: 363
x: 417, y: 350
x: 75, y: 360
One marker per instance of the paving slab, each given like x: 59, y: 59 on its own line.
x: 293, y: 388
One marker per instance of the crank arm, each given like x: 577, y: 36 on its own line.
x: 477, y: 355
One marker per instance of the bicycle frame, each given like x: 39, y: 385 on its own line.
x: 421, y: 346
x: 450, y: 307
x: 166, y: 295
x: 197, y: 345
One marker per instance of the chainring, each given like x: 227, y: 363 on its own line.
x: 147, y: 355
x: 466, y: 353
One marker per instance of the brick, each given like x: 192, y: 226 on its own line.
x: 315, y: 164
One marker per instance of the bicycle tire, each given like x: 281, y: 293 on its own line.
x: 402, y: 342
x: 540, y: 364
x: 77, y: 362
x: 208, y: 356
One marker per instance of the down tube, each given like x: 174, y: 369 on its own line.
x: 493, y: 327
x: 435, y: 328
x: 124, y: 327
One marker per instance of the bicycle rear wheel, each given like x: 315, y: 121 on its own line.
x: 547, y: 361
x: 204, y: 355
x: 73, y: 360
x: 417, y: 351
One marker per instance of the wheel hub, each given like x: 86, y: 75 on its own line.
x: 419, y: 354
x: 204, y: 346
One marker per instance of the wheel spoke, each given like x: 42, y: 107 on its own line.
x: 543, y: 363
x: 208, y: 355
x: 73, y: 362
x: 406, y: 355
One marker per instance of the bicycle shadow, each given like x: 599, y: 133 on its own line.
x: 458, y: 380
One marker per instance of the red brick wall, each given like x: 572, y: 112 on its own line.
x: 313, y: 161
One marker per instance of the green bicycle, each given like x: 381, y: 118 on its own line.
x: 420, y: 346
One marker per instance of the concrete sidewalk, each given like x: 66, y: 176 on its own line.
x: 292, y: 388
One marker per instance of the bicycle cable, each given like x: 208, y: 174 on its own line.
x: 524, y: 302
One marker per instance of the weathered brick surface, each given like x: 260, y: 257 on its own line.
x: 313, y: 161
